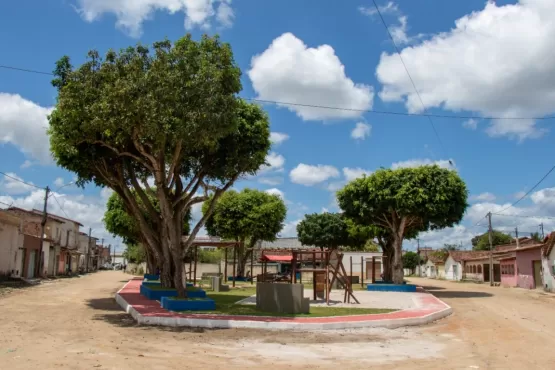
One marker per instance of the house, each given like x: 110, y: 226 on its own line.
x: 11, y: 244
x: 87, y: 250
x: 454, y: 264
x: 435, y: 266
x: 548, y: 264
x: 478, y: 268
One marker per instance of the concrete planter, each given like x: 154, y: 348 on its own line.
x: 391, y: 288
x: 281, y: 298
x: 206, y: 304
x: 157, y: 283
x: 151, y: 277
x: 158, y: 294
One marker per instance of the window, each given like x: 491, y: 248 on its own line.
x: 479, y: 269
x: 474, y: 269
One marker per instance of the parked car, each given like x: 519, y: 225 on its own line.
x: 106, y: 266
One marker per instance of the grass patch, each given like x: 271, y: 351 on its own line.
x: 226, y: 305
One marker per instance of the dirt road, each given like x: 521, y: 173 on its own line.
x: 75, y: 324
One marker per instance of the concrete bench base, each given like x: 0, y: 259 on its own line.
x: 206, y: 304
x: 281, y: 298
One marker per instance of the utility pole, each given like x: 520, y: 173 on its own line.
x: 541, y: 227
x: 88, y: 251
x: 490, y: 232
x: 40, y: 262
x: 98, y: 260
x: 418, y: 253
x: 516, y: 235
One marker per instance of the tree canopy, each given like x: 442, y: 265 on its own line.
x: 411, y: 260
x: 248, y: 216
x: 169, y: 113
x: 405, y: 201
x: 481, y: 242
x: 331, y: 230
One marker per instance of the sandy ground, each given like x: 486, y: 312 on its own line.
x: 76, y: 324
x: 392, y: 300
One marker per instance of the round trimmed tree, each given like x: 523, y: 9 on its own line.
x: 405, y: 201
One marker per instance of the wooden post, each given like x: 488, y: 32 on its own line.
x: 252, y: 264
x: 225, y: 265
x: 327, y: 280
x: 314, y: 274
x: 373, y: 269
x: 351, y: 269
x: 294, y: 268
x: 234, y: 262
x: 195, y: 273
x: 362, y: 268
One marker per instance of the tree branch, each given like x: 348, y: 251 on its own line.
x: 124, y: 154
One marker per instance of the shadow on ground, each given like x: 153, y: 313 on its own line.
x: 454, y: 294
x: 124, y: 320
x: 104, y: 304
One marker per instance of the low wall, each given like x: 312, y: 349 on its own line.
x: 281, y: 298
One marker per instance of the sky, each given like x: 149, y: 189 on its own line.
x: 492, y: 61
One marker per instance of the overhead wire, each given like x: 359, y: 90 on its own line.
x: 21, y: 181
x: 59, y: 205
x: 372, y: 111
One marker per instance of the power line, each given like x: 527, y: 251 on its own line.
x: 373, y: 111
x: 522, y: 216
x: 410, y: 77
x: 59, y: 205
x: 21, y: 181
x: 528, y: 193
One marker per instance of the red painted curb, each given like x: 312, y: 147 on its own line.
x: 428, y: 304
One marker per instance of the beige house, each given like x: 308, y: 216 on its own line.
x: 11, y: 244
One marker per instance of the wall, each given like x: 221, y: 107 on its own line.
x: 10, y: 242
x: 450, y: 266
x: 507, y: 279
x: 525, y: 267
x: 31, y: 245
x: 548, y: 273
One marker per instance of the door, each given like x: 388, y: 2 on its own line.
x: 31, y: 265
x: 538, y: 274
x: 455, y: 272
x: 485, y: 269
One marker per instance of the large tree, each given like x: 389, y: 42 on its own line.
x: 481, y: 242
x: 170, y: 114
x: 331, y: 230
x: 120, y: 222
x: 248, y: 216
x: 404, y: 201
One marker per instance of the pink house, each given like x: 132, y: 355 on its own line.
x: 521, y: 267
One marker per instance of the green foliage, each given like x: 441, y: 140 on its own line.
x: 206, y: 256
x: 481, y: 242
x: 428, y: 197
x: 134, y: 253
x: 324, y: 230
x: 536, y: 237
x: 246, y: 215
x: 440, y: 254
x: 410, y: 260
x: 121, y: 223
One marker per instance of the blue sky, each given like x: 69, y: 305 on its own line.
x: 465, y: 57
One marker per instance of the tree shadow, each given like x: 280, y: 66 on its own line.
x: 104, y: 304
x: 457, y: 294
x: 430, y: 288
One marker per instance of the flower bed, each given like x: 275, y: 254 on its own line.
x: 188, y: 304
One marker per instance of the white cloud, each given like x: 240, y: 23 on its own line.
x: 354, y: 173
x: 443, y: 163
x: 389, y: 8
x: 59, y: 182
x: 519, y: 194
x: 131, y: 14
x: 289, y: 229
x: 276, y: 191
x: 26, y: 164
x: 290, y: 71
x: 24, y: 124
x: 399, y: 31
x: 480, y: 66
x: 278, y: 137
x: 361, y: 131
x: 272, y: 181
x: 484, y: 197
x: 308, y: 175
x: 275, y: 163
x: 471, y: 124
x: 12, y: 185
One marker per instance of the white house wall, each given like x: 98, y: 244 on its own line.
x: 450, y: 266
x: 10, y: 242
x: 548, y: 273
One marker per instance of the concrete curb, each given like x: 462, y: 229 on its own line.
x: 191, y: 320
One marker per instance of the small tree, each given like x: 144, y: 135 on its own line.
x: 481, y: 242
x: 331, y: 230
x: 119, y: 221
x: 451, y: 247
x: 248, y: 217
x: 411, y: 261
x: 171, y: 115
x: 135, y: 253
x: 405, y: 201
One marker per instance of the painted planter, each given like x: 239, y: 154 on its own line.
x: 188, y: 305
x: 244, y: 279
x: 386, y: 282
x: 157, y: 294
x: 151, y: 277
x: 391, y: 288
x: 196, y: 294
x: 157, y: 283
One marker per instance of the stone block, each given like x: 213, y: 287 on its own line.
x: 281, y: 298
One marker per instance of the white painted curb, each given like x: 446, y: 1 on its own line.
x: 299, y: 325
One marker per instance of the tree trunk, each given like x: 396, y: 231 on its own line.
x: 178, y: 275
x: 398, y: 276
x: 242, y: 263
x: 388, y: 254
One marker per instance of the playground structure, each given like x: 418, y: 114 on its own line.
x: 323, y: 263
